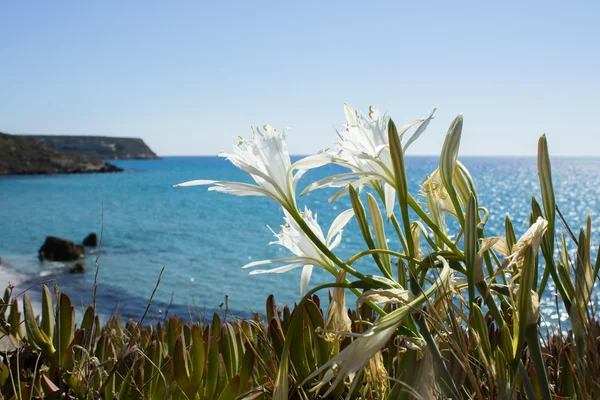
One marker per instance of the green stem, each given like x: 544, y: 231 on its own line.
x: 440, y: 365
x: 324, y: 249
x: 281, y: 382
x: 399, y: 233
x: 489, y: 302
x: 321, y: 246
x: 526, y: 381
x: 535, y: 351
x: 436, y: 230
x: 355, y: 257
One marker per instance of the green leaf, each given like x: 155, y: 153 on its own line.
x: 149, y: 369
x: 231, y: 390
x: 171, y: 327
x: 511, y: 238
x: 5, y: 373
x: 34, y: 334
x: 126, y: 384
x: 70, y: 352
x: 66, y: 319
x: 477, y: 322
x: 180, y: 367
x: 546, y: 187
x: 271, y: 308
x: 506, y: 341
x: 537, y: 359
x: 229, y: 349
x: 197, y: 356
x: 448, y: 162
x: 361, y: 218
x: 298, y: 353
x: 470, y: 226
x: 502, y: 371
x: 380, y: 239
x: 549, y: 203
x: 247, y: 366
x: 523, y: 304
x: 323, y: 349
x: 212, y: 371
x: 47, y: 312
x: 88, y: 318
x: 401, y: 184
x: 14, y: 319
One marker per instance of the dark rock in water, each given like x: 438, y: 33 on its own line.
x: 90, y: 240
x: 57, y: 249
x: 79, y: 267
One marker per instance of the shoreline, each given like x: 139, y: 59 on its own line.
x: 107, y: 304
x: 9, y: 275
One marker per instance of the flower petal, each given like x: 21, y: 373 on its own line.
x: 240, y: 189
x: 198, y: 182
x: 315, y: 161
x: 273, y: 261
x: 336, y: 241
x: 390, y: 199
x: 306, y: 273
x: 331, y: 180
x: 350, y: 115
x: 338, y: 224
x: 296, y: 178
x: 420, y: 130
x: 344, y: 191
x: 278, y: 270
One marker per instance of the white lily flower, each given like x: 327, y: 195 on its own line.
x: 265, y: 157
x: 364, y: 149
x: 307, y: 254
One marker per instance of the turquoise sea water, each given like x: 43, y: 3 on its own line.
x: 203, y: 238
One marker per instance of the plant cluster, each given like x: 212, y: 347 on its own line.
x: 452, y: 313
x: 467, y: 303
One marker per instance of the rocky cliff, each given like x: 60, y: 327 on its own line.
x: 21, y: 155
x: 98, y: 147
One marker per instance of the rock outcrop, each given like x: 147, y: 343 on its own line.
x: 77, y: 268
x: 23, y: 156
x: 90, y: 240
x: 57, y: 249
x: 98, y: 147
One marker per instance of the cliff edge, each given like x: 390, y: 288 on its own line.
x: 23, y: 156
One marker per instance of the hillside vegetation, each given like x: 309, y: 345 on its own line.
x: 22, y: 156
x: 98, y: 147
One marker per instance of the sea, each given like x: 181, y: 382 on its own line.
x: 202, y: 238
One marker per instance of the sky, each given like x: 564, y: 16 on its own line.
x: 189, y: 77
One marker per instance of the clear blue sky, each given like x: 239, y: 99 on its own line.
x: 189, y: 76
